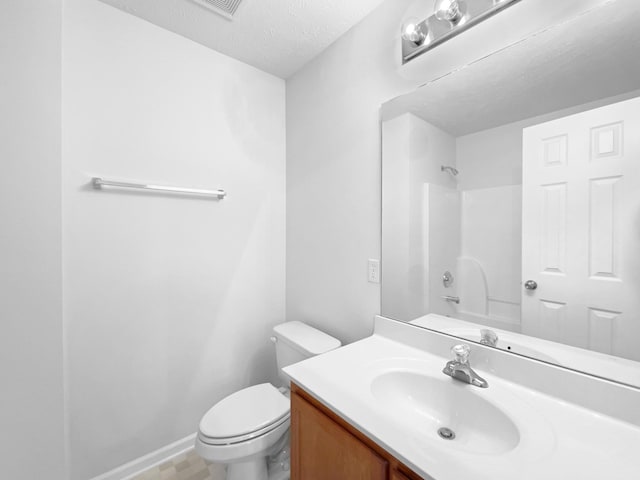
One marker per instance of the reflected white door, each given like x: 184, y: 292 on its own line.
x: 581, y: 229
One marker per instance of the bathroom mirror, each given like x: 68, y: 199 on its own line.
x: 511, y: 198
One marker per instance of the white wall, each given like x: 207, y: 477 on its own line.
x: 413, y: 152
x: 31, y: 359
x: 333, y: 152
x: 169, y: 300
x: 491, y: 158
x: 333, y: 175
x: 398, y: 299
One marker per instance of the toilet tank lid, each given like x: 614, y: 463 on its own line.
x: 309, y: 339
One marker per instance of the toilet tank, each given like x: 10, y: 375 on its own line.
x: 297, y: 341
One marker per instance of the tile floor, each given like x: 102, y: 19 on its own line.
x: 186, y: 466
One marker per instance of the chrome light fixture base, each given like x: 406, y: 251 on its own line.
x: 471, y: 13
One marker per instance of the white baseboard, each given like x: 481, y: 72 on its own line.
x: 139, y: 465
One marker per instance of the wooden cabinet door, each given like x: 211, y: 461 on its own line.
x: 321, y: 449
x: 397, y: 475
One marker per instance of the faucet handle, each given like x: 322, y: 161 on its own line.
x: 461, y: 352
x: 488, y: 337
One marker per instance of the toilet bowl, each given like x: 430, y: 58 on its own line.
x: 245, y: 428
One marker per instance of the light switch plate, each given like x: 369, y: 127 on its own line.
x: 374, y: 270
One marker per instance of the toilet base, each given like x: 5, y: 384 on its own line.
x: 272, y: 467
x: 279, y: 472
x: 279, y: 460
x: 255, y: 469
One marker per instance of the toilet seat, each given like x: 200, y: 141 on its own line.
x: 242, y: 438
x: 245, y: 415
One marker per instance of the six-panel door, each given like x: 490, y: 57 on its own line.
x: 581, y: 229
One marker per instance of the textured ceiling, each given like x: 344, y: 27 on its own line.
x: 579, y: 61
x: 277, y: 36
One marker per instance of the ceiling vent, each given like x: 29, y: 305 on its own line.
x: 226, y: 8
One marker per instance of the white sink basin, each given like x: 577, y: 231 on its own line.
x: 427, y: 404
x: 533, y: 421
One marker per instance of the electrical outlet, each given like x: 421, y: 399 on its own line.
x: 374, y: 271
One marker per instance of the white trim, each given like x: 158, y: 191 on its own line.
x: 153, y: 459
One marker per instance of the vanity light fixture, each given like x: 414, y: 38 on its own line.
x: 414, y: 31
x: 451, y: 11
x: 449, y: 18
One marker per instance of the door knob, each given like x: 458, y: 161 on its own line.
x: 530, y: 285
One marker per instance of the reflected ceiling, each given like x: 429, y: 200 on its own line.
x: 511, y: 84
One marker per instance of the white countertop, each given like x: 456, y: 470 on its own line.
x: 558, y: 440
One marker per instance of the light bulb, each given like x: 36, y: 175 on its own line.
x: 449, y: 10
x: 415, y: 31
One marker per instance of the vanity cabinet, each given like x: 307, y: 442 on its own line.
x: 324, y: 446
x: 396, y: 475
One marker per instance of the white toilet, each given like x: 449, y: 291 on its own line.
x: 243, y: 429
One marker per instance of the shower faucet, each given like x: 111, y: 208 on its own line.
x: 451, y: 170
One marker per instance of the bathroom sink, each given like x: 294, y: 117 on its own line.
x: 447, y: 411
x: 533, y: 422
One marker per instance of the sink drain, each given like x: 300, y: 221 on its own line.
x: 446, y: 433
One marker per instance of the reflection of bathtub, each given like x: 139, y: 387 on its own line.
x: 594, y: 363
x: 495, y: 305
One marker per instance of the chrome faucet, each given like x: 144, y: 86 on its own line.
x: 460, y: 368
